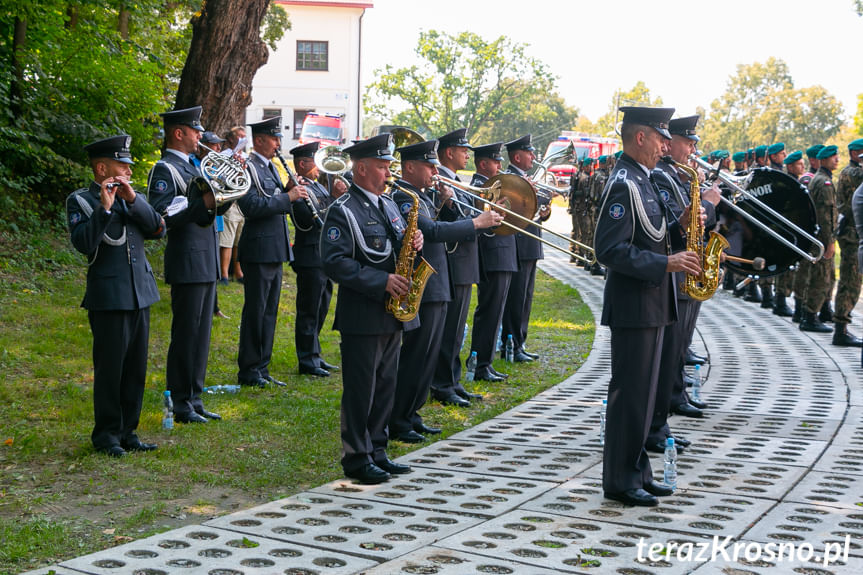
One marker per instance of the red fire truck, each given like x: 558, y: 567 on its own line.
x: 586, y: 145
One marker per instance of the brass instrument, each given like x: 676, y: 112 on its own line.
x: 542, y: 167
x: 402, y: 137
x: 702, y: 286
x: 225, y: 175
x: 405, y: 308
x: 333, y: 162
x: 519, y: 205
x: 310, y: 203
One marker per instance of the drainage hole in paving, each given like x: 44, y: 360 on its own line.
x: 141, y: 554
x: 215, y: 553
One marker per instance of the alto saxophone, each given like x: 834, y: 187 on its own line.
x: 405, y: 308
x: 702, y: 286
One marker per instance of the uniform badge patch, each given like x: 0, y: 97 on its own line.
x: 161, y: 185
x: 406, y: 207
x: 377, y: 243
x: 616, y: 211
x: 664, y: 195
x: 74, y: 218
x: 333, y: 234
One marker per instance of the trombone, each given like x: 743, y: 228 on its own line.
x: 737, y: 183
x: 543, y: 166
x: 509, y: 187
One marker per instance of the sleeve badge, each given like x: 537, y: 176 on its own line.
x: 333, y: 234
x: 616, y: 211
x: 161, y: 185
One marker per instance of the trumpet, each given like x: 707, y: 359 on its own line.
x: 510, y: 189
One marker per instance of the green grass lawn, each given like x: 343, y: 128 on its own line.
x: 60, y: 499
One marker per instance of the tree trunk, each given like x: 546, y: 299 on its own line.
x: 225, y: 54
x: 123, y: 22
x: 19, y: 37
x: 72, y: 15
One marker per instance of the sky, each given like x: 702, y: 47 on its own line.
x: 684, y: 50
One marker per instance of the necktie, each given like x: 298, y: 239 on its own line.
x: 391, y: 232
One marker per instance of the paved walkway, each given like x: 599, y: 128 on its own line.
x: 779, y: 459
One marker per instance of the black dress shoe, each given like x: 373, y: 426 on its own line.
x: 698, y: 404
x: 410, y: 436
x: 370, y: 474
x: 638, y: 497
x: 810, y: 322
x: 113, y: 451
x: 497, y: 373
x: 423, y: 428
x: 687, y: 410
x: 259, y: 382
x: 658, y: 489
x: 465, y: 394
x: 486, y: 375
x: 529, y: 354
x: 189, y: 418
x: 452, y: 399
x: 693, y: 358
x: 315, y: 371
x: 275, y: 381
x: 140, y: 446
x: 328, y: 366
x: 393, y: 468
x: 208, y: 414
x: 521, y: 357
x: 681, y: 441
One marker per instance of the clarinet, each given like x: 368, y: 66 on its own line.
x: 311, y: 205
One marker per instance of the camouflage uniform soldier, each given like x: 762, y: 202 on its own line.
x: 849, y: 274
x: 801, y: 278
x: 597, y: 184
x: 578, y: 202
x: 824, y: 196
x: 587, y: 223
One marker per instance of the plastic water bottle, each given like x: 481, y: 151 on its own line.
x: 464, y: 337
x: 510, y: 349
x: 499, y: 338
x: 222, y: 389
x: 669, y: 476
x: 167, y: 411
x: 696, y: 385
x: 470, y: 367
x: 602, y: 410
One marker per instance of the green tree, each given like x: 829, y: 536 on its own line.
x: 761, y: 106
x: 467, y: 81
x: 638, y: 95
x: 858, y: 117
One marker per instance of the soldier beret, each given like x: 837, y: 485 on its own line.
x: 186, y: 117
x: 114, y: 148
x: 269, y: 127
x: 827, y: 151
x: 760, y: 151
x: 454, y: 139
x: 522, y: 143
x: 684, y: 127
x: 739, y: 156
x: 380, y: 146
x: 305, y: 151
x: 617, y: 154
x: 587, y: 161
x: 602, y: 159
x: 420, y: 152
x: 812, y: 151
x: 775, y: 148
x: 656, y: 118
x: 856, y: 144
x: 793, y: 157
x: 488, y: 151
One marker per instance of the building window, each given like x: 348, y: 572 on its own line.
x: 312, y: 55
x: 271, y: 113
x: 299, y: 116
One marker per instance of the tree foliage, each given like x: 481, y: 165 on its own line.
x: 492, y: 88
x: 761, y: 106
x: 638, y: 95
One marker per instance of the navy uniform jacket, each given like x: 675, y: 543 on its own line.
x: 528, y: 248
x: 192, y: 252
x: 438, y: 287
x: 676, y: 196
x: 359, y: 252
x: 497, y: 252
x: 307, y: 241
x: 265, y: 239
x: 462, y: 255
x: 638, y: 291
x: 119, y: 277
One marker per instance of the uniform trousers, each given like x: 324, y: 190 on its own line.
x: 369, y: 369
x: 785, y: 283
x: 848, y: 290
x: 635, y: 361
x: 447, y: 373
x: 519, y: 299
x: 120, y: 341
x: 671, y: 390
x: 416, y: 367
x: 314, y: 291
x: 819, y: 287
x: 262, y: 288
x: 491, y: 297
x: 192, y: 307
